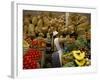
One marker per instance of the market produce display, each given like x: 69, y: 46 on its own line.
x: 40, y: 43
x: 25, y: 46
x: 78, y: 55
x: 31, y: 59
x: 73, y: 34
x: 75, y: 58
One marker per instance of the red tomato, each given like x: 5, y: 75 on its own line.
x: 31, y: 58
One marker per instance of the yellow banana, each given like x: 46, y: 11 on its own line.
x: 78, y: 54
x: 25, y: 44
x: 80, y: 63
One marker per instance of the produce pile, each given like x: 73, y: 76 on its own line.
x: 75, y: 58
x: 31, y: 59
x: 38, y: 46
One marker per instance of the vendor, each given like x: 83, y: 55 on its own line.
x: 71, y: 42
x: 57, y: 44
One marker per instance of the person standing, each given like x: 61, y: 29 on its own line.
x: 57, y: 56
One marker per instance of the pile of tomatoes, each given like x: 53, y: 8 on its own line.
x: 31, y: 59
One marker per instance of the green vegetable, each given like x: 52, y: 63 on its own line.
x: 70, y: 64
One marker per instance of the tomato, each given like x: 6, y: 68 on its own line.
x: 31, y: 58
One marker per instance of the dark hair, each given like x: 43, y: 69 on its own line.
x: 73, y: 35
x: 55, y: 36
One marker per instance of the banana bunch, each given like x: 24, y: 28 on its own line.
x: 80, y: 59
x: 78, y: 55
x: 34, y: 20
x: 81, y: 62
x: 40, y: 23
x: 25, y: 45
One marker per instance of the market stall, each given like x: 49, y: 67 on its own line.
x: 73, y: 34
